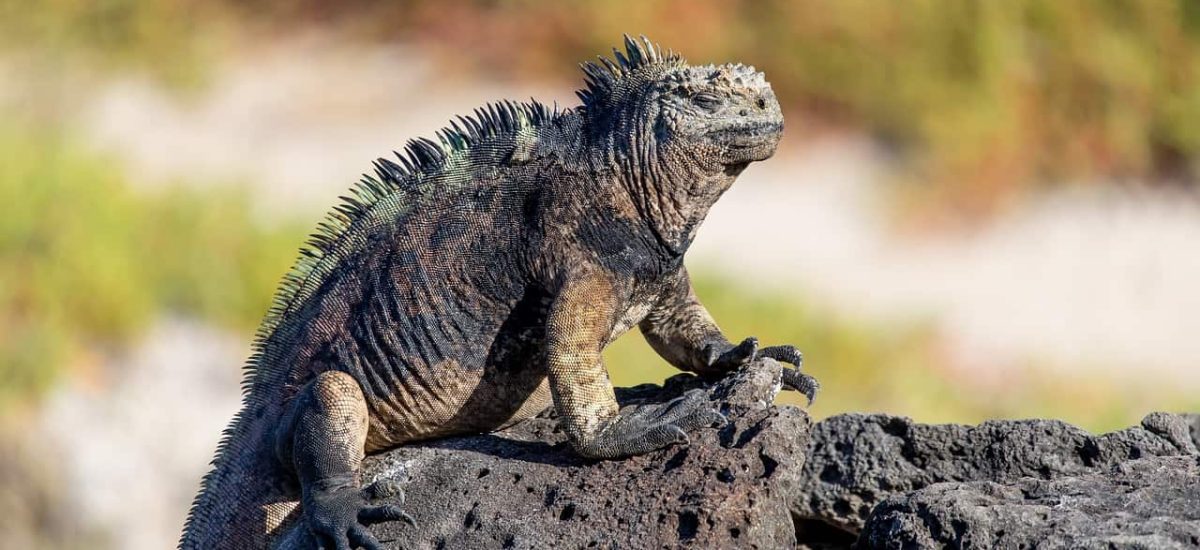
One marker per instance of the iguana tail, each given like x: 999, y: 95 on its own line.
x: 247, y: 499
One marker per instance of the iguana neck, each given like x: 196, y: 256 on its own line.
x: 670, y: 192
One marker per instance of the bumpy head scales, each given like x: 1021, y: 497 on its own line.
x: 730, y: 105
x: 726, y: 113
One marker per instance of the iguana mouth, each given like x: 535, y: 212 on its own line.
x: 747, y: 142
x: 748, y: 134
x: 736, y: 168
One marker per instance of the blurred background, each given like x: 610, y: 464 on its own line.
x: 979, y: 210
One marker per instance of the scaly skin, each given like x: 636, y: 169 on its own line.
x: 478, y: 281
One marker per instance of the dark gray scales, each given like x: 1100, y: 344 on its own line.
x: 474, y: 281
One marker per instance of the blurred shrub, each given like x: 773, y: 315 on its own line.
x: 85, y: 262
x: 170, y: 39
x: 985, y: 100
x: 898, y: 368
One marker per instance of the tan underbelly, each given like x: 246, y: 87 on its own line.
x: 458, y: 401
x: 466, y: 403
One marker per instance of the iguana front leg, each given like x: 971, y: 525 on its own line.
x: 581, y: 318
x: 323, y: 438
x: 682, y: 331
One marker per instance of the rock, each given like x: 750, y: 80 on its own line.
x: 1143, y: 503
x: 856, y: 461
x: 1193, y: 421
x: 524, y: 488
x: 763, y: 482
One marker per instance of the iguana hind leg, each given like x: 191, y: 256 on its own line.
x: 323, y: 438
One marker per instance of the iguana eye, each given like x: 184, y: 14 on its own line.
x: 706, y: 101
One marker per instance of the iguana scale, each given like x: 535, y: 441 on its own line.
x: 475, y: 281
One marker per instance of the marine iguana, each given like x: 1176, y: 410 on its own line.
x: 474, y: 281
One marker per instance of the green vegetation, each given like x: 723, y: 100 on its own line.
x: 86, y: 262
x: 984, y: 101
x: 169, y: 39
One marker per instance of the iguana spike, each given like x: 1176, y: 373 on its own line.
x: 410, y: 149
x: 621, y: 60
x: 428, y: 154
x: 633, y: 51
x: 454, y: 126
x: 471, y: 125
x: 345, y: 208
x: 486, y: 120
x: 389, y: 171
x: 408, y: 167
x: 613, y: 68
x: 592, y: 72
x: 510, y: 114
x: 475, y: 122
x: 506, y: 120
x: 505, y: 114
x: 468, y: 129
x: 651, y: 49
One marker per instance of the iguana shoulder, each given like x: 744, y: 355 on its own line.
x: 476, y: 279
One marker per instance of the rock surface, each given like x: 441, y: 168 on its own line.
x: 856, y: 461
x: 524, y: 488
x: 769, y: 479
x: 1144, y: 503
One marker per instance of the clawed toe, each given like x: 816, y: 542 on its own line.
x: 338, y: 514
x: 371, y: 515
x: 797, y: 381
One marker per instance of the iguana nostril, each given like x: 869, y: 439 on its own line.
x: 743, y: 112
x: 762, y: 103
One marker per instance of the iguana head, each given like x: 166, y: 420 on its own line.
x: 726, y: 116
x: 679, y: 134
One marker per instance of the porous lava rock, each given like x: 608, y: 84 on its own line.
x: 523, y: 487
x: 858, y: 461
x: 1138, y: 504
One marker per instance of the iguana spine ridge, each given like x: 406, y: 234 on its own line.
x: 475, y: 279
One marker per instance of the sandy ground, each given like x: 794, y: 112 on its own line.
x: 1102, y: 280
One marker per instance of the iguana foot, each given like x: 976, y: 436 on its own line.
x: 338, y: 512
x: 724, y: 357
x: 652, y: 427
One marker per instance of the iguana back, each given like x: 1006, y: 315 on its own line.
x: 474, y: 281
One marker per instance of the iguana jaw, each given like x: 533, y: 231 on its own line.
x: 745, y: 142
x: 749, y: 134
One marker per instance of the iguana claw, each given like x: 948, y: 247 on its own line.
x: 747, y: 351
x: 338, y: 514
x: 795, y: 380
